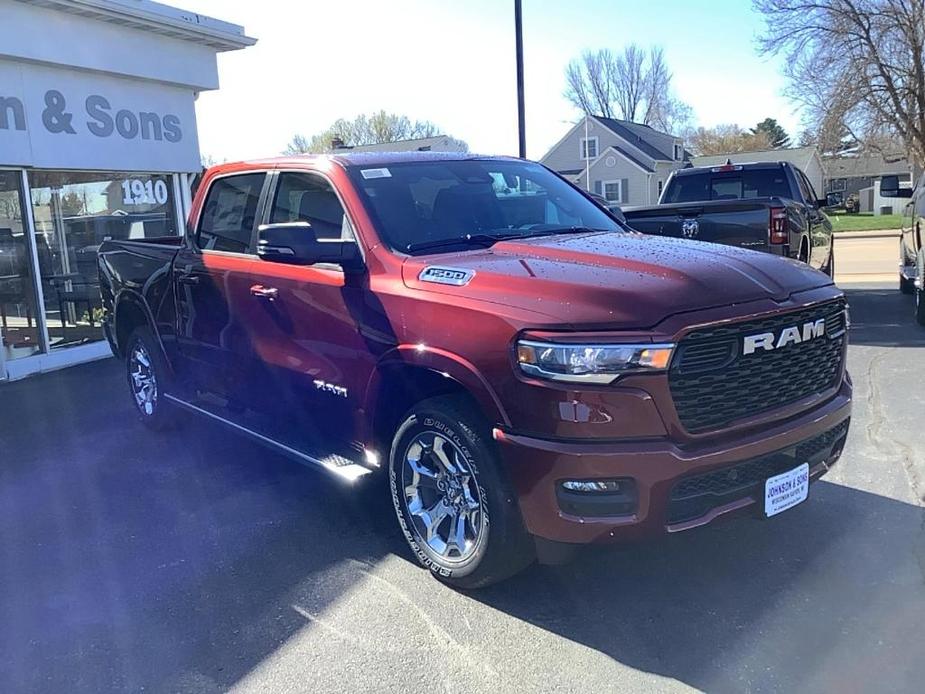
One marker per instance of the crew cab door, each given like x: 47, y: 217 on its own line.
x: 819, y: 228
x: 212, y: 274
x: 312, y: 325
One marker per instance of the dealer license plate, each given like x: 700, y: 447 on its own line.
x: 786, y: 490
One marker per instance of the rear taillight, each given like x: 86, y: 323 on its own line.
x: 777, y: 225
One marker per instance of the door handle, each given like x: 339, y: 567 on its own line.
x: 262, y: 292
x: 188, y: 279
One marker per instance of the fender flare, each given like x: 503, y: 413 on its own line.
x: 130, y: 296
x: 438, y: 361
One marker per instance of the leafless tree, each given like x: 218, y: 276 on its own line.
x: 375, y: 128
x: 856, y: 66
x: 725, y: 139
x: 634, y: 85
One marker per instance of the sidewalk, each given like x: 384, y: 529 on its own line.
x: 866, y: 256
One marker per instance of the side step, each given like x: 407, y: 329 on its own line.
x: 334, y: 464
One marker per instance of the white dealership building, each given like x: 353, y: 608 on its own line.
x: 98, y: 140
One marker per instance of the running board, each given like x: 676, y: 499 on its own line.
x: 334, y: 464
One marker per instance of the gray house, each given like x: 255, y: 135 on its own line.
x: 627, y: 163
x: 854, y: 173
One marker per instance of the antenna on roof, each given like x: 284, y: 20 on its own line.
x: 728, y: 161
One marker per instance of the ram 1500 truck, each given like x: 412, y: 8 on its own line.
x: 520, y: 372
x: 768, y: 207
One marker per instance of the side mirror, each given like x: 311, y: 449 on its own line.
x: 889, y: 188
x: 822, y: 203
x: 295, y: 243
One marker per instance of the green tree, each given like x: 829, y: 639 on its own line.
x: 774, y: 131
x: 376, y: 128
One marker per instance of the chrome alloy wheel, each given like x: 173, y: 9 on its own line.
x: 142, y: 379
x: 443, y: 498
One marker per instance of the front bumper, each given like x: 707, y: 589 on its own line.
x: 538, y: 466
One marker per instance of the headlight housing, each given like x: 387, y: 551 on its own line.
x: 590, y: 363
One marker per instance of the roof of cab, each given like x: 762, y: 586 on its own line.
x: 369, y: 158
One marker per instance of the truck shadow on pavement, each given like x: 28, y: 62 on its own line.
x: 826, y: 597
x: 883, y: 317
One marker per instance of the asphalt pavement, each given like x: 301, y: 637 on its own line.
x: 197, y: 562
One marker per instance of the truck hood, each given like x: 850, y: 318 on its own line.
x: 612, y: 280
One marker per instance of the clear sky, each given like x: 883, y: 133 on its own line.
x: 452, y: 62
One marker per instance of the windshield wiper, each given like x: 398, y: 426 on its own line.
x: 485, y: 240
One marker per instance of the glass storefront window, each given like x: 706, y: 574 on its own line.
x: 74, y: 212
x: 19, y: 317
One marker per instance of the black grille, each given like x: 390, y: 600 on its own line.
x: 713, y: 384
x: 693, y: 497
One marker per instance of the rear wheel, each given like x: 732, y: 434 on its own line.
x: 148, y: 374
x: 454, y: 505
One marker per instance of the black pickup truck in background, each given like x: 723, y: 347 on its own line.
x: 768, y: 207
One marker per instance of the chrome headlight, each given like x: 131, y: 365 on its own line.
x: 584, y: 363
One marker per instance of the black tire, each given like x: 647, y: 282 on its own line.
x: 830, y: 266
x: 155, y: 411
x: 920, y: 306
x: 500, y: 546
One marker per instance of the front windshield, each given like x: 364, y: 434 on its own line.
x: 446, y: 205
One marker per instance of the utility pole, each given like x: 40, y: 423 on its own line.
x: 519, y: 41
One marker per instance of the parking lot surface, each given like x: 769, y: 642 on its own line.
x: 195, y: 561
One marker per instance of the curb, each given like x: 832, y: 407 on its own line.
x: 876, y: 234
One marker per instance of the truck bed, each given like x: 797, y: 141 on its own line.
x: 742, y: 223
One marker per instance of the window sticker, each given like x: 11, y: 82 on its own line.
x: 376, y: 173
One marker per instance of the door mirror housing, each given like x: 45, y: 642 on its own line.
x: 889, y: 188
x: 295, y: 243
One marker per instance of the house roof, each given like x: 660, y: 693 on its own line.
x: 156, y: 17
x: 799, y: 156
x: 418, y: 144
x: 642, y: 137
x: 865, y: 165
x: 633, y: 159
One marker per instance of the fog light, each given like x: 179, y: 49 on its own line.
x: 591, y: 486
x: 598, y: 498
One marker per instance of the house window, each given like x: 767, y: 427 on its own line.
x: 839, y: 184
x: 678, y: 151
x: 613, y: 191
x: 589, y: 148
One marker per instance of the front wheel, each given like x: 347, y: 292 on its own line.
x: 454, y: 505
x: 920, y: 306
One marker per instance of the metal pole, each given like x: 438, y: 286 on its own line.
x: 518, y: 31
x: 587, y: 159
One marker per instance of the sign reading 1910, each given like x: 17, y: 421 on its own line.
x: 136, y: 192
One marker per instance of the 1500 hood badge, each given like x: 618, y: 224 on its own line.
x: 446, y: 275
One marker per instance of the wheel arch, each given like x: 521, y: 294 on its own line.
x: 130, y: 311
x: 410, y: 374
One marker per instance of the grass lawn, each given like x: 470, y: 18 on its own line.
x: 864, y: 221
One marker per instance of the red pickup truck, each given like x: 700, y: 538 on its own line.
x: 521, y: 372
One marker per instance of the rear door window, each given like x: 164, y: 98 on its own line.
x: 229, y: 214
x: 732, y: 185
